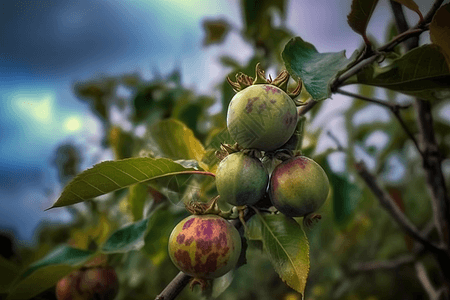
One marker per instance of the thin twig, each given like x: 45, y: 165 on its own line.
x: 421, y: 273
x: 383, y: 265
x: 389, y: 204
x: 388, y: 105
x: 175, y: 287
x: 408, y: 132
x: 394, y: 108
x: 401, y: 38
x: 363, y: 61
x: 353, y: 71
x: 336, y: 141
x: 307, y: 107
x: 429, y: 16
x: 395, y: 263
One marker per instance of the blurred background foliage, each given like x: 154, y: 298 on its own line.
x: 354, y: 228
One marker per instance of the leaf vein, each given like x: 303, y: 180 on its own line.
x: 98, y: 189
x: 282, y: 248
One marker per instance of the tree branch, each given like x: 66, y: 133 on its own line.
x: 394, y: 108
x: 421, y: 273
x: 429, y: 16
x: 405, y: 259
x: 389, y: 204
x: 382, y: 265
x: 433, y: 172
x: 359, y: 65
x: 339, y: 146
x: 432, y: 165
x: 402, y: 25
x: 388, y: 105
x: 431, y: 158
x: 404, y: 35
x: 307, y: 107
x: 175, y: 287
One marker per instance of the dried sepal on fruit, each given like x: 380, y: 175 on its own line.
x: 262, y: 115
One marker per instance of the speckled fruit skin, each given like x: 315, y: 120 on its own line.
x: 261, y: 116
x: 241, y: 179
x: 298, y: 186
x: 88, y: 284
x: 204, y: 246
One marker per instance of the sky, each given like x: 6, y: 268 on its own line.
x: 47, y: 45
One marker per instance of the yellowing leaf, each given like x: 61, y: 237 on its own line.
x: 287, y: 247
x: 173, y: 139
x: 412, y: 6
x: 440, y: 30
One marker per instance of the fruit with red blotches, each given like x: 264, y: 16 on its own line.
x: 261, y: 116
x: 204, y: 246
x: 241, y: 179
x: 88, y: 284
x: 298, y: 186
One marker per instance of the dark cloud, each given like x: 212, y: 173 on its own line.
x: 45, y: 36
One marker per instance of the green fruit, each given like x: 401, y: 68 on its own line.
x: 295, y: 141
x: 88, y: 284
x: 241, y: 179
x: 204, y: 246
x: 261, y: 116
x: 298, y: 186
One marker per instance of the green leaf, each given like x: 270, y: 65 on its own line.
x: 46, y: 272
x: 440, y: 30
x: 253, y: 231
x: 8, y: 273
x: 287, y: 247
x: 359, y: 16
x: 345, y: 198
x: 257, y: 15
x: 316, y: 70
x: 421, y: 72
x: 128, y: 238
x: 159, y: 228
x: 174, y: 140
x: 137, y: 197
x: 215, y: 31
x: 110, y: 176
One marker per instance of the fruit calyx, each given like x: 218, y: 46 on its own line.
x: 209, y: 208
x: 226, y: 149
x: 281, y: 81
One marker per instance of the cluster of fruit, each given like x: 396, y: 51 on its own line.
x: 95, y: 280
x: 262, y: 118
